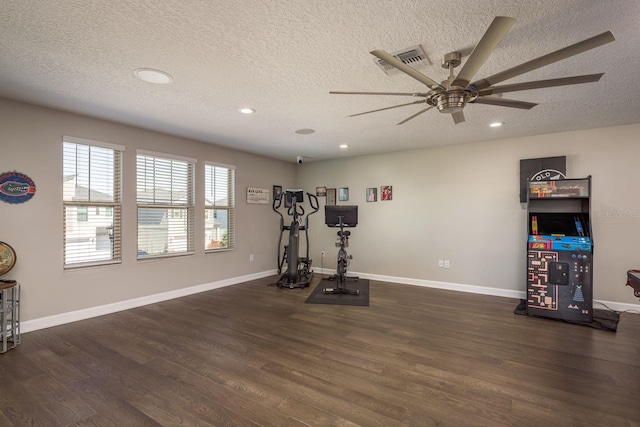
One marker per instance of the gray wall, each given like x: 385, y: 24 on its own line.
x: 31, y: 143
x: 461, y: 203
x: 458, y: 203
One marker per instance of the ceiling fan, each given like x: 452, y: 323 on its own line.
x: 451, y: 96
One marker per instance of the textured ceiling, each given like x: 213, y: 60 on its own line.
x: 282, y: 58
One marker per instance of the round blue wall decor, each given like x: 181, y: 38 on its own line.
x: 16, y: 187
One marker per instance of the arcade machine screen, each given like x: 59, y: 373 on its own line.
x: 560, y: 224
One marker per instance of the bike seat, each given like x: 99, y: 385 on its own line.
x: 344, y: 233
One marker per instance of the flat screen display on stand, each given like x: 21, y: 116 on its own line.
x: 291, y: 194
x: 561, y: 224
x: 348, y: 213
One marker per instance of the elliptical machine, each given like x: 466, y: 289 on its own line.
x: 298, y: 273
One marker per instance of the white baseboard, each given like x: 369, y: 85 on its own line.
x: 459, y: 287
x: 439, y: 285
x: 74, y: 316
x: 87, y: 313
x: 616, y: 306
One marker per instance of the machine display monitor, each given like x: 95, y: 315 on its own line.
x: 333, y: 213
x: 559, y: 224
x: 290, y: 194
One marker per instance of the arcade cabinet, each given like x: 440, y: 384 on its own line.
x: 560, y: 250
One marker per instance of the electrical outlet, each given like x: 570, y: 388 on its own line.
x: 323, y: 254
x: 446, y: 263
x: 251, y: 258
x: 440, y: 263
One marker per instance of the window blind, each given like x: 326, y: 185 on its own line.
x: 165, y: 203
x: 91, y: 203
x: 219, y: 204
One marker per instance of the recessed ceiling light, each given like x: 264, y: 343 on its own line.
x: 150, y: 75
x: 496, y: 124
x: 344, y: 146
x: 247, y: 110
x: 305, y: 131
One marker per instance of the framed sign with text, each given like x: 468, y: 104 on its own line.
x: 261, y: 196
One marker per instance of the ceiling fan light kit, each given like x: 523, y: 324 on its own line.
x: 454, y: 93
x: 451, y: 101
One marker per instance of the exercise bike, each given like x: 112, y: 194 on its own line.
x: 298, y: 273
x: 342, y: 216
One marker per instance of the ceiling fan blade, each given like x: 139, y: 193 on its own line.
x: 387, y: 108
x: 415, y: 115
x: 496, y: 31
x: 379, y: 93
x: 501, y: 102
x: 458, y: 117
x: 550, y: 58
x: 395, y: 62
x: 539, y: 84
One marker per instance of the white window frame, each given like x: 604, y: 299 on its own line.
x: 71, y: 201
x: 177, y: 203
x: 210, y: 204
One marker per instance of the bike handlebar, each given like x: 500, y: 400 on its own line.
x: 277, y: 203
x: 312, y: 199
x: 299, y: 211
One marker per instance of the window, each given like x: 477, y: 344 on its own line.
x: 165, y: 204
x: 219, y: 201
x: 82, y: 213
x: 92, y: 180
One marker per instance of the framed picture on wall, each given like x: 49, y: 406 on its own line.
x: 343, y: 194
x: 331, y: 196
x: 321, y: 191
x: 372, y: 194
x: 257, y: 195
x: 386, y: 192
x: 277, y: 189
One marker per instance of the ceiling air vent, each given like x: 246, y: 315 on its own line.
x: 413, y: 56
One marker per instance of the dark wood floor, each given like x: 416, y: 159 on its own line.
x: 250, y: 355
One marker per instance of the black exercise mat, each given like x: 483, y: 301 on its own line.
x: 317, y: 297
x: 605, y: 320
